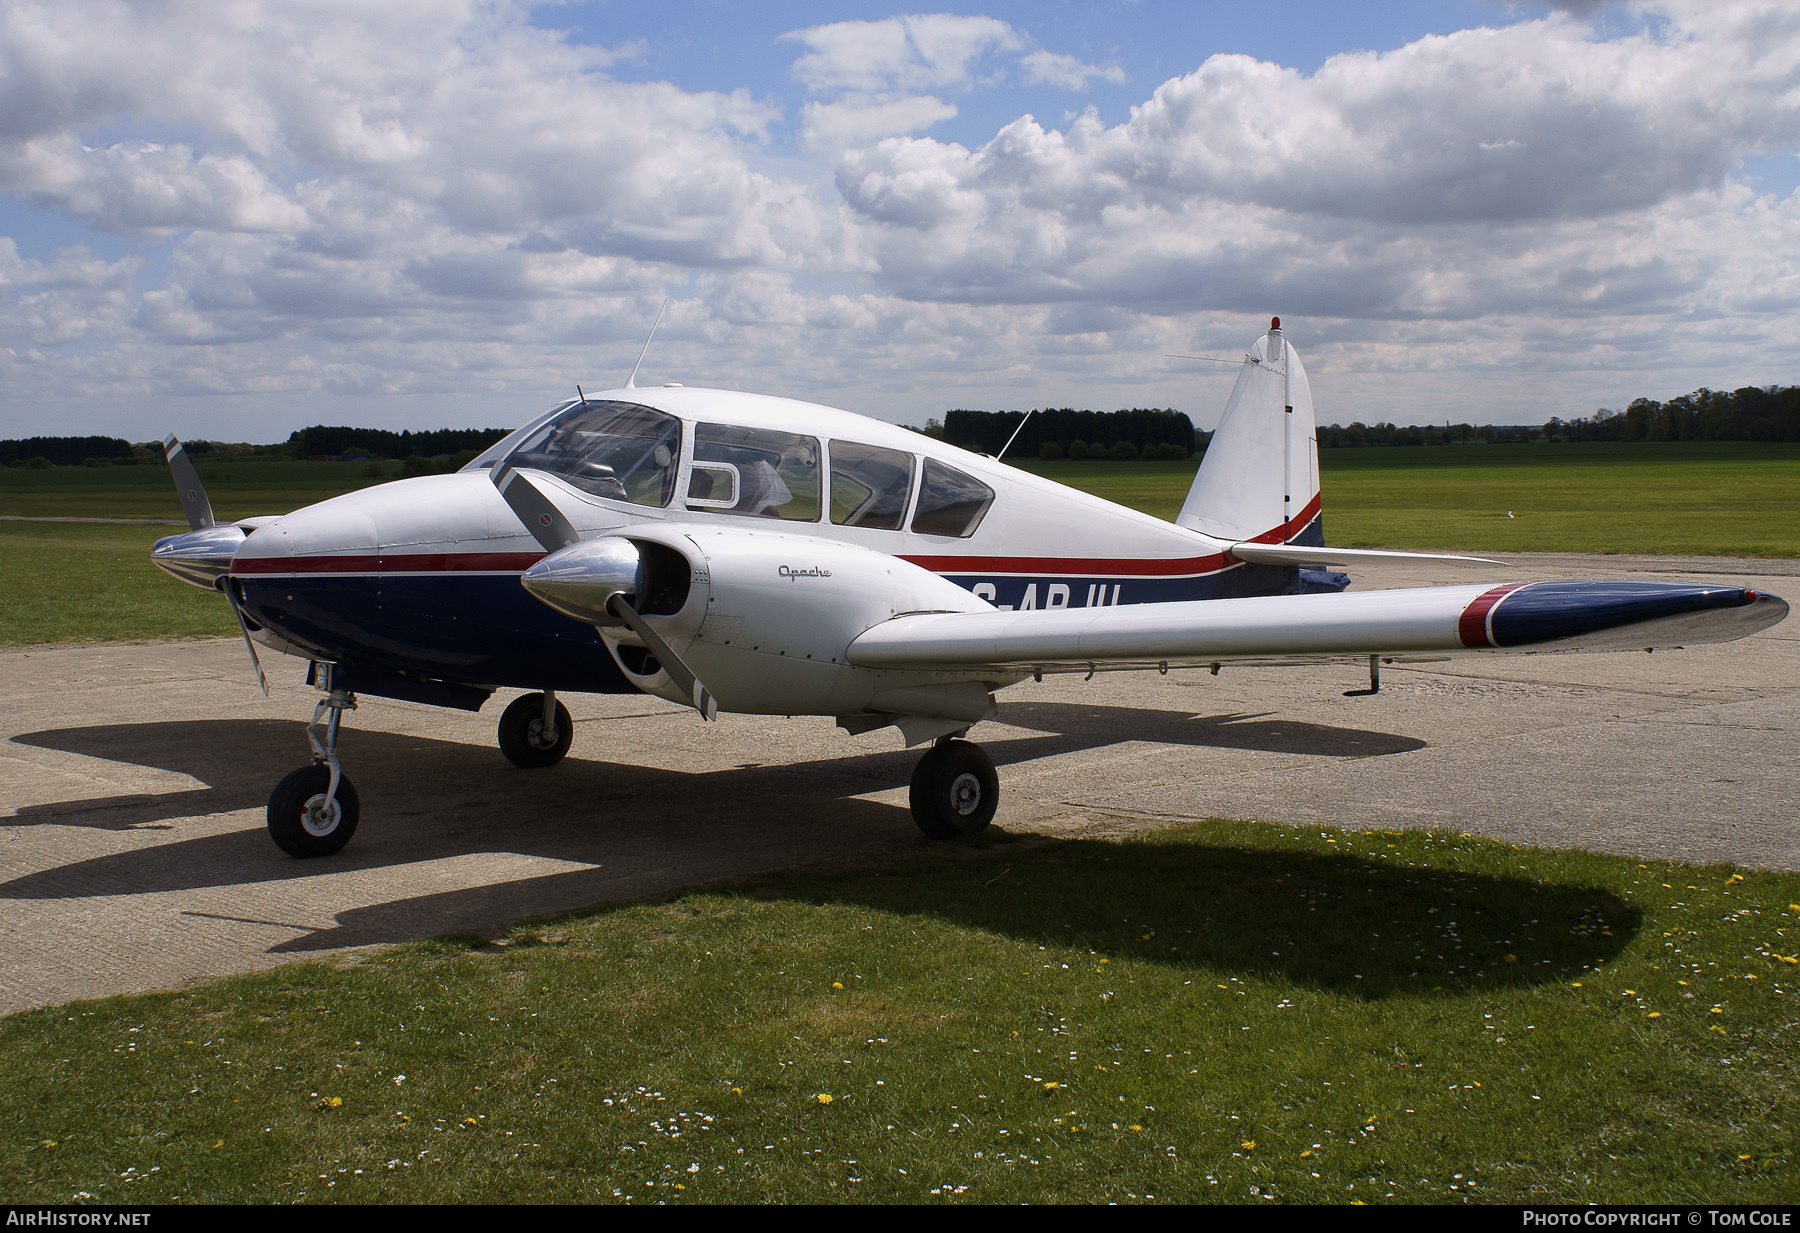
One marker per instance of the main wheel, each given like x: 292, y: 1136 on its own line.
x: 299, y: 822
x: 954, y: 790
x: 522, y: 737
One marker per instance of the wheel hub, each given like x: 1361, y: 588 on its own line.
x: 965, y: 794
x: 535, y: 737
x: 320, y: 817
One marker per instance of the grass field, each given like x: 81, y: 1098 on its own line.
x: 1715, y: 499
x: 1728, y: 499
x: 1231, y: 1012
x: 75, y: 582
x: 237, y: 490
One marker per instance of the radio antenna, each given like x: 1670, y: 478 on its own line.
x: 631, y: 381
x: 1211, y: 359
x: 1015, y: 436
x: 582, y: 396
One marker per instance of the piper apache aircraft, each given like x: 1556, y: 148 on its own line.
x: 729, y: 551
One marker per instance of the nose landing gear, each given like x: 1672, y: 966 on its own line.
x: 314, y: 811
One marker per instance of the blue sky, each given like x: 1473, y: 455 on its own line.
x: 234, y: 222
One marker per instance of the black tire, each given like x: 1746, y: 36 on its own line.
x: 522, y: 733
x: 291, y: 828
x: 954, y: 790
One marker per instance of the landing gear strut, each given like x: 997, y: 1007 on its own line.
x: 954, y: 789
x: 536, y: 730
x: 313, y: 812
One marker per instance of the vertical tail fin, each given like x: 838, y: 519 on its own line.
x: 1260, y: 477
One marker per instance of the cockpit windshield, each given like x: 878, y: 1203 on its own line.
x: 618, y: 450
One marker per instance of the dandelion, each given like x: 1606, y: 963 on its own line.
x: 837, y: 984
x: 1656, y: 1014
x: 1249, y: 1145
x: 823, y: 1098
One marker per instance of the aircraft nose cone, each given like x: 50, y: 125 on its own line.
x: 578, y: 580
x: 199, y: 558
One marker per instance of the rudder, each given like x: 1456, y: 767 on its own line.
x: 1259, y: 480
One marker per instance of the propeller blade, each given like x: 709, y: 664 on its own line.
x: 188, y: 487
x: 244, y: 625
x: 540, y: 516
x: 680, y: 673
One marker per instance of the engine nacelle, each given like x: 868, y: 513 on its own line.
x: 764, y: 617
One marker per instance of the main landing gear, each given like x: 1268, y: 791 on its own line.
x: 954, y: 789
x: 313, y: 812
x: 536, y: 730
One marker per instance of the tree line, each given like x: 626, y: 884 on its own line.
x: 1752, y: 413
x: 1064, y: 432
x: 321, y: 441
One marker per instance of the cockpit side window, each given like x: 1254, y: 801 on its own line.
x: 950, y: 502
x: 772, y: 474
x: 618, y: 450
x: 869, y: 486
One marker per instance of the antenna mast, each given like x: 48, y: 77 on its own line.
x: 1015, y: 436
x: 631, y: 381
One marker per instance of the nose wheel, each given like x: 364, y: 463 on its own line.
x: 314, y: 811
x: 536, y: 730
x: 954, y: 790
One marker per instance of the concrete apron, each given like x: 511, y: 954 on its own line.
x: 133, y: 781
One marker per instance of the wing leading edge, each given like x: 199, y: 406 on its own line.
x: 1531, y: 617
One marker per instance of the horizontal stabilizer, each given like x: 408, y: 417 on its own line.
x: 1300, y: 554
x: 1528, y: 617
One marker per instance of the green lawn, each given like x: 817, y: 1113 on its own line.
x: 78, y: 582
x: 237, y: 490
x: 1225, y: 1012
x: 1715, y: 499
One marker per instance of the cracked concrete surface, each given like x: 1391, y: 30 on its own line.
x: 133, y: 780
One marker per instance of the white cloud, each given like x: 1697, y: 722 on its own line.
x: 922, y: 52
x: 1069, y: 72
x: 433, y: 198
x: 857, y: 121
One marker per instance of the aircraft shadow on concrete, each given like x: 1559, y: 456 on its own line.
x: 645, y: 831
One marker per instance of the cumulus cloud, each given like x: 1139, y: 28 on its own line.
x: 433, y: 195
x: 857, y: 121
x: 1052, y: 68
x: 925, y: 52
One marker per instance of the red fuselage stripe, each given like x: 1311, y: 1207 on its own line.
x: 1472, y: 626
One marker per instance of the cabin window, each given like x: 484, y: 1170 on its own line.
x: 755, y: 471
x: 869, y: 486
x: 950, y: 502
x: 618, y: 450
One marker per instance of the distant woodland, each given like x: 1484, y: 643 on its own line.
x: 1121, y: 436
x: 1752, y: 413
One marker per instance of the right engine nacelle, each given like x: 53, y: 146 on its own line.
x: 767, y: 616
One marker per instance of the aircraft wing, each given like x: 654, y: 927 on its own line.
x: 1429, y: 622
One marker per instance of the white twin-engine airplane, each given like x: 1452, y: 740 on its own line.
x: 736, y: 552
